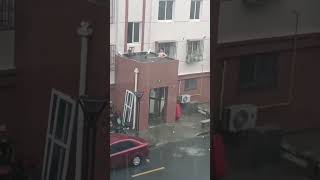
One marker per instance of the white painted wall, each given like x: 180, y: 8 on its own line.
x: 274, y: 18
x: 180, y: 29
x: 7, y: 50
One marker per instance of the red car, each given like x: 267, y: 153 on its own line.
x: 127, y: 150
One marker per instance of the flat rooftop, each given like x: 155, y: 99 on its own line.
x: 147, y: 57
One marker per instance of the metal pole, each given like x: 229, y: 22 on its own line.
x: 85, y: 147
x: 92, y: 147
x: 138, y: 114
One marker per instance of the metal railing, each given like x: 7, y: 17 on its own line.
x: 7, y: 8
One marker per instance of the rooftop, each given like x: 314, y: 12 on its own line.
x: 147, y: 57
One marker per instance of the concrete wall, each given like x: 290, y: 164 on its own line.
x: 179, y: 30
x: 7, y: 50
x: 273, y: 19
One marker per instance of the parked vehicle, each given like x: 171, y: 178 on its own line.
x: 127, y: 150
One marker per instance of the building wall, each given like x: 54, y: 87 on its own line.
x: 181, y: 30
x: 48, y: 56
x: 301, y: 112
x: 239, y: 22
x: 150, y: 76
x: 202, y: 92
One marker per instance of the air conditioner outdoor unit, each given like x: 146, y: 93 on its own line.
x: 240, y: 117
x: 185, y: 98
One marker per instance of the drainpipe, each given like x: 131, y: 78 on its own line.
x: 126, y: 26
x: 85, y: 32
x: 117, y: 23
x: 222, y: 87
x: 150, y: 19
x: 136, y: 72
x: 293, y: 65
x: 143, y: 23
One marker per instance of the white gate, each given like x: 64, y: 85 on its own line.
x: 59, y: 136
x: 128, y: 107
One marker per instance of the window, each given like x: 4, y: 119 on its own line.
x: 7, y: 11
x: 195, y: 9
x: 121, y: 146
x: 165, y: 10
x: 190, y: 84
x: 59, y: 134
x: 133, y: 32
x: 194, y: 51
x: 259, y: 71
x: 169, y: 48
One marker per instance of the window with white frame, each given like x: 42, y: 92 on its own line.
x: 59, y: 136
x: 168, y: 47
x: 195, y: 9
x: 133, y: 32
x: 165, y: 10
x: 194, y: 51
x: 112, y: 57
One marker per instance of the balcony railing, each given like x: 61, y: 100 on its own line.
x: 7, y: 14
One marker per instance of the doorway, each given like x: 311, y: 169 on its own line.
x: 157, y: 105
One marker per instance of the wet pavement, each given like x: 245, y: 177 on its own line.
x: 186, y: 160
x: 188, y: 126
x: 247, y: 164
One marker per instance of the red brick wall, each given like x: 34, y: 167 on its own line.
x: 47, y: 56
x: 202, y: 92
x: 301, y: 113
x: 149, y: 74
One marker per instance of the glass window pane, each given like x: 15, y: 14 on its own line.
x: 190, y: 84
x: 136, y: 32
x: 192, y: 10
x: 161, y: 13
x: 57, y: 163
x: 113, y: 149
x: 130, y: 29
x: 53, y: 110
x: 197, y: 15
x: 60, y: 119
x: 67, y: 122
x: 169, y: 10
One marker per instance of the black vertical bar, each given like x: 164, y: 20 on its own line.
x: 93, y: 149
x: 85, y: 148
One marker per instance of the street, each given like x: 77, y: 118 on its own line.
x: 187, y: 160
